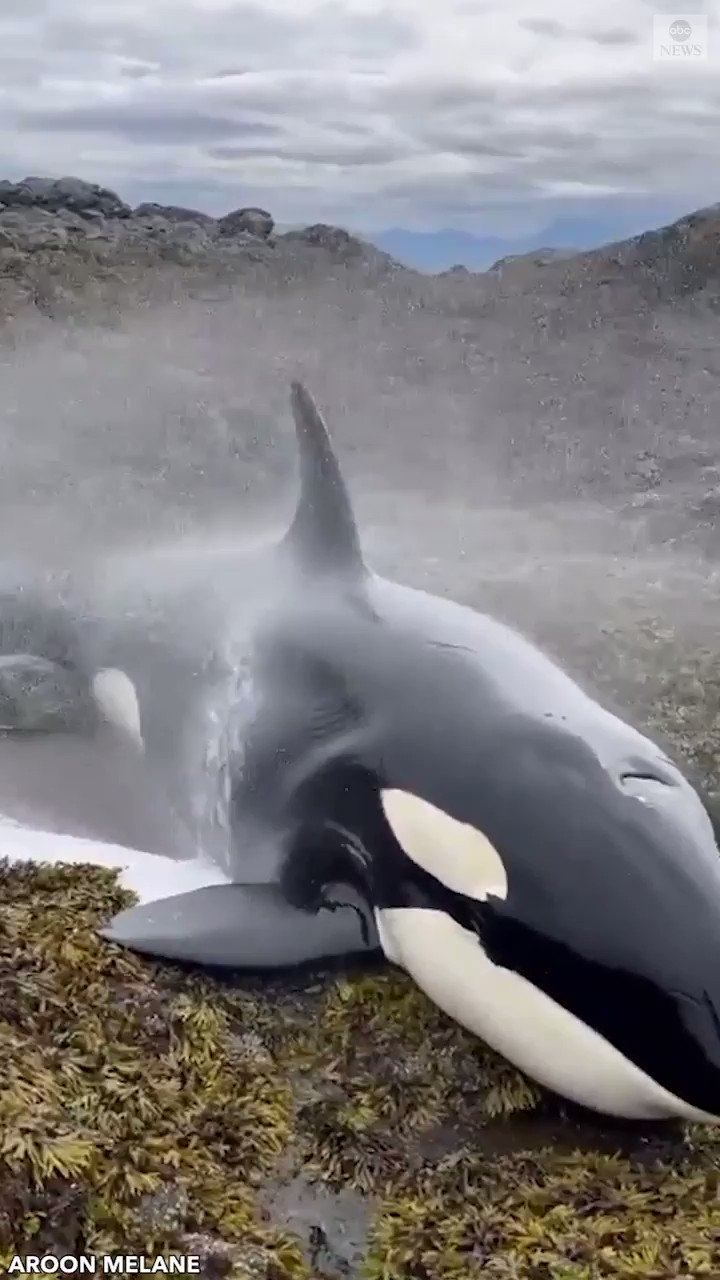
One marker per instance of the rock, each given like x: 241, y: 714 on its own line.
x: 168, y: 231
x: 54, y: 194
x: 216, y: 1257
x: 256, y: 222
x: 709, y: 504
x: 31, y: 229
x: 333, y: 1226
x: 535, y: 258
x: 249, y: 1047
x: 334, y: 239
x: 104, y: 229
x: 641, y: 501
x: 173, y: 213
x: 163, y: 1211
x: 647, y: 469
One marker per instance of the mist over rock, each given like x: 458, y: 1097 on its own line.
x: 173, y: 213
x: 70, y: 194
x: 34, y: 228
x: 535, y: 258
x: 44, y: 215
x: 40, y: 215
x: 562, y: 373
x: 334, y: 239
x: 256, y: 222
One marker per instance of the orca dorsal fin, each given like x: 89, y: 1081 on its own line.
x: 323, y: 536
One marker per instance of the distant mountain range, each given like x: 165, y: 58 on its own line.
x: 439, y: 250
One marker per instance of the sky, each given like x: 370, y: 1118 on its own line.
x: 492, y: 117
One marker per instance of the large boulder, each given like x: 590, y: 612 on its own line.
x: 253, y: 222
x: 173, y: 213
x: 180, y: 239
x: 335, y: 239
x: 342, y: 249
x: 71, y: 194
x: 28, y: 229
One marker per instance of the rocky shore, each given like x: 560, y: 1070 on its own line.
x: 57, y: 213
x: 58, y: 236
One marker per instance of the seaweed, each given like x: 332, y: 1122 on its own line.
x: 119, y: 1091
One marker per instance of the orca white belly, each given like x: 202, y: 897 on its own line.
x: 519, y: 1021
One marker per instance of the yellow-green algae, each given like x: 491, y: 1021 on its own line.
x: 127, y: 1082
x: 117, y: 1084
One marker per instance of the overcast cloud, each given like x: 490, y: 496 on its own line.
x: 485, y: 115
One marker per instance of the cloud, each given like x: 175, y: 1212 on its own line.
x: 145, y: 125
x: 614, y: 35
x: 355, y: 111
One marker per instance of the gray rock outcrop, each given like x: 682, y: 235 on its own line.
x: 71, y: 195
x: 46, y: 214
x: 67, y: 244
x: 534, y: 258
x: 335, y: 239
x: 42, y: 217
x: 173, y: 213
x: 253, y: 222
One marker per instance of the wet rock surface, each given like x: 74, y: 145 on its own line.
x: 333, y: 1225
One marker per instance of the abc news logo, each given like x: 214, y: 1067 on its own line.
x: 682, y: 38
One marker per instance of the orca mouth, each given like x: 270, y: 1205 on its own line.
x: 355, y: 862
x: 646, y: 788
x: 642, y: 782
x: 325, y: 865
x: 645, y: 775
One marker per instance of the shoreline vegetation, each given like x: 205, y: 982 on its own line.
x: 152, y: 1110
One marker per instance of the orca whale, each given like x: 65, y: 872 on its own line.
x: 71, y: 752
x: 541, y: 869
x: 78, y: 786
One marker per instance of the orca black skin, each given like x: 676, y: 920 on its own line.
x: 569, y: 886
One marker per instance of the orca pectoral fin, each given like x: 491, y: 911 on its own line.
x: 247, y: 926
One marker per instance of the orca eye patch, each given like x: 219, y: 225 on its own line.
x: 457, y: 854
